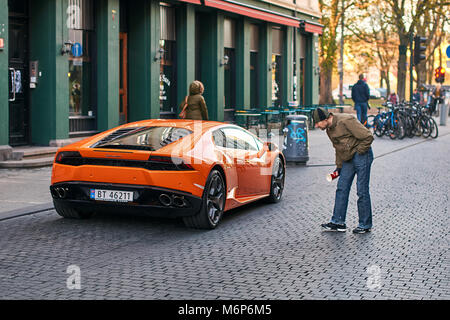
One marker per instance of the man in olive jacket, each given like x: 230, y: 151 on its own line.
x: 352, y: 142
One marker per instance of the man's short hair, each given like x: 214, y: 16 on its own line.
x: 361, y: 76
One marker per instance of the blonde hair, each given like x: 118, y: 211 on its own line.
x: 196, y: 87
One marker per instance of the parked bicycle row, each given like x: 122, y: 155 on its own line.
x: 406, y: 119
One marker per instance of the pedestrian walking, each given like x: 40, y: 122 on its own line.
x: 436, y: 98
x: 360, y: 96
x: 393, y: 98
x: 352, y: 142
x: 416, y: 96
x: 194, y: 106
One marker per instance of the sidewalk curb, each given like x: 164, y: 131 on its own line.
x: 25, y: 211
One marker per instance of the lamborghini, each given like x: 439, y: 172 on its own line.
x: 195, y: 170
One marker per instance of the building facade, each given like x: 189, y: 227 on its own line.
x: 71, y: 68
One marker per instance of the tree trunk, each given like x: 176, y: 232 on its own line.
x: 325, y: 86
x: 388, y: 82
x: 430, y: 70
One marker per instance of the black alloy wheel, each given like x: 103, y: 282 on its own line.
x: 213, y: 203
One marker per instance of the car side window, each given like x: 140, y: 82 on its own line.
x: 219, y: 138
x: 239, y: 139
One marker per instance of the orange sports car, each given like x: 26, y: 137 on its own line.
x: 196, y: 170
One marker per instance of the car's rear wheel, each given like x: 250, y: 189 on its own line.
x: 277, y: 181
x: 69, y: 212
x: 213, y: 203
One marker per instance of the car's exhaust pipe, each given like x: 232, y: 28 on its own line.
x: 179, y: 201
x: 62, y: 192
x: 165, y: 199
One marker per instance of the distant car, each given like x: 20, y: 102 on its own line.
x: 346, y: 92
x: 374, y: 93
x: 383, y: 92
x: 162, y: 168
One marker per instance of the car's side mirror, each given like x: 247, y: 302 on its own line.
x: 267, y: 146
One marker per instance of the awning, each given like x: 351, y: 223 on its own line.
x: 192, y: 1
x: 261, y: 14
x: 311, y: 27
x: 253, y: 12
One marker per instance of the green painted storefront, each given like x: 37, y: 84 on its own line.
x: 73, y: 95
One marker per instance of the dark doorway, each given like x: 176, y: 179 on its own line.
x: 19, y: 113
x: 230, y: 80
x: 254, y: 94
x: 123, y: 78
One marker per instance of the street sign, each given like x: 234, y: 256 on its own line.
x: 448, y: 52
x: 77, y: 50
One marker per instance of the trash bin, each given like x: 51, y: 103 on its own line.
x: 295, y: 145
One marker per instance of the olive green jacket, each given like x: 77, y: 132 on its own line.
x: 196, y: 109
x: 348, y: 136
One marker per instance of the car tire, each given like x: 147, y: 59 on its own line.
x: 69, y: 212
x: 277, y: 181
x: 213, y: 203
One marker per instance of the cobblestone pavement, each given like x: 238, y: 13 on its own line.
x: 260, y: 251
x: 21, y: 188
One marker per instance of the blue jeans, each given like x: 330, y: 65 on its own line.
x: 361, y: 111
x: 359, y: 165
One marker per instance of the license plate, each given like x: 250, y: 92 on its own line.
x: 111, y: 195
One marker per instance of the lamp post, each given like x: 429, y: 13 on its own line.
x: 341, y: 61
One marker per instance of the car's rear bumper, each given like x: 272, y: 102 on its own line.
x: 146, y: 199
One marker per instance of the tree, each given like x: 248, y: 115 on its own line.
x: 332, y: 13
x: 330, y: 19
x: 405, y: 16
x: 431, y: 26
x: 370, y: 25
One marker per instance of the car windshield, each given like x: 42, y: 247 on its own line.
x: 143, y: 138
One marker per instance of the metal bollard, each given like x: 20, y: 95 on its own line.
x: 443, y: 114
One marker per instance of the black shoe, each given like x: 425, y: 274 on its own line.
x: 361, y: 230
x: 334, y: 227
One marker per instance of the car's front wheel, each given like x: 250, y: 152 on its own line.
x: 277, y: 181
x: 213, y: 203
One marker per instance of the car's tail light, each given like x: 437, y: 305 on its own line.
x: 71, y: 158
x: 168, y: 163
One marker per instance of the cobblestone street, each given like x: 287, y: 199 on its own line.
x: 260, y: 251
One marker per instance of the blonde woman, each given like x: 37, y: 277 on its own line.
x: 194, y: 105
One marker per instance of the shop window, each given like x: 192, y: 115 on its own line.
x: 82, y: 84
x: 254, y: 48
x: 230, y: 67
x: 301, y: 78
x: 167, y: 43
x: 277, y: 76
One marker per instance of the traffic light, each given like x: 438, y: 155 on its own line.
x: 419, y: 49
x: 439, y: 75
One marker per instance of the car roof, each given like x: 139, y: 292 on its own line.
x: 178, y: 123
